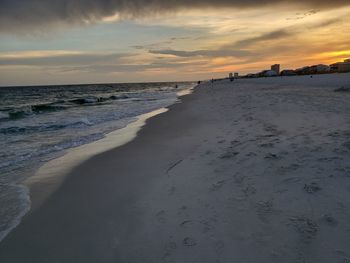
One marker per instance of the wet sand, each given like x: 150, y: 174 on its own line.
x: 245, y: 171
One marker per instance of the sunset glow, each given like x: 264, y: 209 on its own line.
x: 165, y: 45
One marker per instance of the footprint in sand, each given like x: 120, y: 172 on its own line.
x: 249, y: 190
x: 290, y: 168
x: 189, y: 242
x: 216, y: 186
x: 161, y: 216
x: 305, y: 226
x: 346, y: 145
x: 267, y: 145
x: 206, y: 225
x: 339, y: 151
x: 186, y: 223
x: 343, y: 255
x: 291, y: 180
x: 208, y: 152
x: 329, y: 220
x: 264, y: 209
x: 272, y: 129
x: 345, y: 170
x: 203, y: 226
x: 235, y: 142
x: 272, y: 156
x: 228, y: 155
x: 182, y: 211
x: 239, y: 179
x: 312, y: 188
x: 329, y: 159
x: 169, y: 248
x: 251, y: 154
x: 172, y: 166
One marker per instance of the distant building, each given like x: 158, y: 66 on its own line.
x: 288, y: 72
x: 276, y: 68
x: 303, y: 71
x: 236, y: 75
x: 323, y: 68
x: 319, y: 69
x: 341, y: 66
x: 269, y: 73
x: 231, y: 77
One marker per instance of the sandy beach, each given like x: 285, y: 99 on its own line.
x: 245, y: 171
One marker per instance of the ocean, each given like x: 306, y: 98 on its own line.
x: 39, y: 123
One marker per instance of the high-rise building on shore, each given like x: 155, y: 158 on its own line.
x: 341, y: 66
x: 276, y: 68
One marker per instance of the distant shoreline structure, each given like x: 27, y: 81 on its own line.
x: 339, y: 67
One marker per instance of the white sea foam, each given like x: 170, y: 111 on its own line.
x: 86, y: 121
x: 11, y: 215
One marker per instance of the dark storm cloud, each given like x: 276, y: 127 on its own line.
x: 31, y: 14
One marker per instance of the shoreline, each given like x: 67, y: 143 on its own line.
x: 52, y: 173
x: 246, y: 170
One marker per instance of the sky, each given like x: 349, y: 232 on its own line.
x: 89, y: 41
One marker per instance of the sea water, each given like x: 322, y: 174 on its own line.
x: 39, y: 123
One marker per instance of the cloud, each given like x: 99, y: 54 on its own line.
x: 284, y: 33
x: 204, y: 53
x: 299, y: 16
x: 242, y: 48
x: 236, y: 49
x: 127, y: 68
x: 75, y: 61
x: 57, y: 59
x: 24, y: 15
x: 327, y: 23
x: 277, y: 34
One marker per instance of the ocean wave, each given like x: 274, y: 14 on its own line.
x: 47, y: 149
x: 45, y: 127
x: 25, y: 111
x: 85, y: 121
x: 119, y: 97
x: 47, y: 107
x: 20, y: 113
x: 96, y: 100
x: 4, y: 115
x: 82, y: 101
